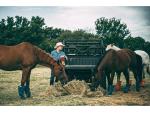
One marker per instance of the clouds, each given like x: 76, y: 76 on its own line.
x: 137, y: 18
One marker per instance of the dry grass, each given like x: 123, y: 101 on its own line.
x: 75, y: 88
x: 40, y: 84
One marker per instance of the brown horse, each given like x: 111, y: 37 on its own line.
x: 118, y: 61
x: 25, y: 57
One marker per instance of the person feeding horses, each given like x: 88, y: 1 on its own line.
x: 59, y: 56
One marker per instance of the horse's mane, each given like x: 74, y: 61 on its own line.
x: 39, y: 50
x: 101, y: 58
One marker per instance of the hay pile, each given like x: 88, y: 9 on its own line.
x: 56, y: 90
x: 75, y: 87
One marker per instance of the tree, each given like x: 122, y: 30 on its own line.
x: 14, y: 30
x: 19, y: 29
x: 147, y: 47
x: 36, y: 29
x: 2, y: 30
x: 136, y: 43
x: 53, y: 33
x: 77, y: 34
x: 112, y: 30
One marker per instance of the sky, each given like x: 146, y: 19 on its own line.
x: 137, y: 18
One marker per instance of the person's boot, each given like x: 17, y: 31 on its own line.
x: 21, y: 90
x: 51, y: 82
x: 27, y: 91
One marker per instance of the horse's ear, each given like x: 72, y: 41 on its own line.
x: 112, y: 44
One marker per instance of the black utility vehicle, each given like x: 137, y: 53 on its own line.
x: 83, y: 55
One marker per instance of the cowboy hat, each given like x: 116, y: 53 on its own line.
x: 59, y: 44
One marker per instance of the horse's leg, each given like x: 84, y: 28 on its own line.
x: 143, y: 75
x: 52, y: 77
x: 118, y: 77
x: 136, y: 76
x: 27, y: 86
x: 56, y: 80
x: 21, y: 88
x: 110, y: 82
x: 97, y: 81
x: 148, y: 69
x: 118, y: 84
x: 127, y: 87
x: 103, y: 80
x: 143, y: 71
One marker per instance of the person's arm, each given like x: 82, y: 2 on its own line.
x: 63, y: 55
x: 52, y: 53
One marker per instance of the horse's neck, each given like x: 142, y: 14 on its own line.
x: 101, y: 63
x: 116, y: 48
x: 45, y: 59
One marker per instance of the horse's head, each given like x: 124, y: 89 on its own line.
x: 59, y: 72
x: 99, y: 79
x: 112, y: 46
x: 63, y: 76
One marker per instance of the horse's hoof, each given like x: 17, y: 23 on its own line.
x: 21, y: 91
x: 23, y: 98
x: 110, y: 90
x: 28, y: 95
x: 138, y: 89
x: 27, y: 92
x: 126, y: 90
x: 109, y: 93
x: 93, y: 89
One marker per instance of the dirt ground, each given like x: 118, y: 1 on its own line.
x: 9, y: 82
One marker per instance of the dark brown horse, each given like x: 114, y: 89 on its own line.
x: 118, y: 61
x: 25, y: 57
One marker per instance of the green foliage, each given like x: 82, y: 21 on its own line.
x: 20, y: 29
x: 17, y: 30
x: 136, y: 43
x: 52, y: 33
x: 112, y: 30
x: 147, y: 47
x: 78, y: 34
x: 14, y: 30
x: 46, y: 45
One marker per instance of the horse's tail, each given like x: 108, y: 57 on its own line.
x: 148, y: 69
x: 139, y: 67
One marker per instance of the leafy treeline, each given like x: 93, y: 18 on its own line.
x: 114, y: 31
x: 14, y: 30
